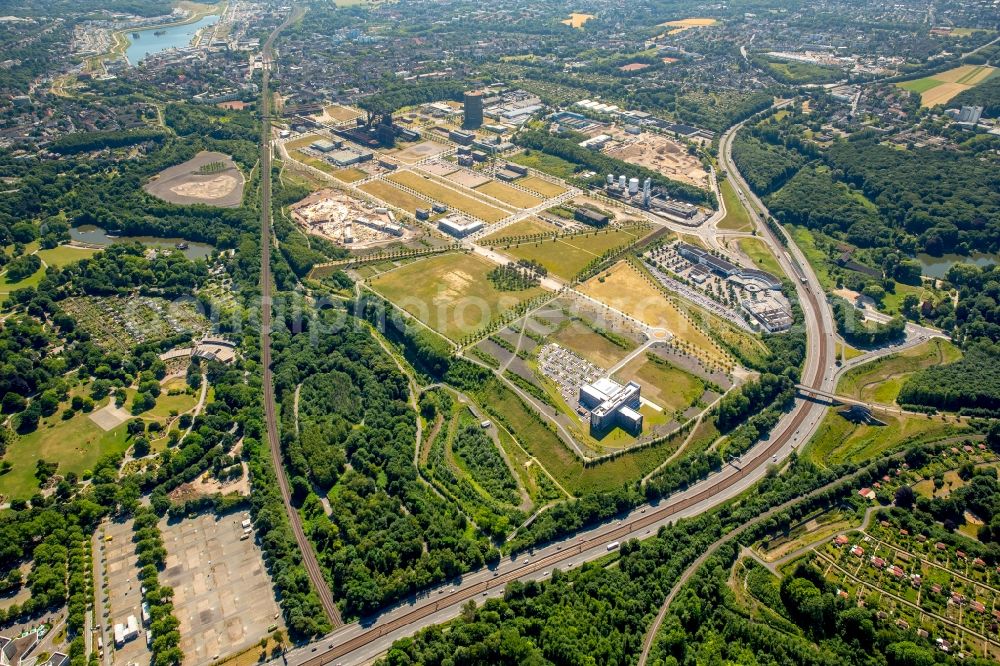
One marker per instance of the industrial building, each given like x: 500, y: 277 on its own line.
x: 591, y: 217
x: 612, y: 404
x: 325, y: 145
x: 459, y: 226
x: 462, y: 138
x: 772, y: 316
x: 511, y: 172
x: 344, y: 158
x: 472, y: 109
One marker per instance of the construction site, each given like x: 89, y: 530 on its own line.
x: 348, y: 221
x: 655, y: 152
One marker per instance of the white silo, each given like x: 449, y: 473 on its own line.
x: 611, y: 179
x: 633, y: 185
x: 621, y: 181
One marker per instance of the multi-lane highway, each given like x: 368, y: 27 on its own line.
x: 308, y: 556
x: 360, y: 642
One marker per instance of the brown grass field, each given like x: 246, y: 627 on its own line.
x: 623, y: 288
x: 509, y: 195
x: 451, y: 198
x: 541, y: 186
x: 394, y: 196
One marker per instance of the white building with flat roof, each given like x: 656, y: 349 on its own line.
x: 612, y: 404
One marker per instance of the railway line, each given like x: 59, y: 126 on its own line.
x: 274, y: 442
x: 360, y: 642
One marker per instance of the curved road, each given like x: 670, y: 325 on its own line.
x: 274, y: 442
x: 360, y: 642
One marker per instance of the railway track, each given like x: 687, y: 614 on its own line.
x: 274, y: 442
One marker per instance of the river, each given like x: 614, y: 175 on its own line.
x: 92, y: 235
x: 178, y: 36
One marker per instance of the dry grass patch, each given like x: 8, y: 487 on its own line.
x: 449, y: 197
x: 509, y: 195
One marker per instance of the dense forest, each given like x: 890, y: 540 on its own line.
x: 971, y: 384
x: 765, y: 166
x: 387, y: 533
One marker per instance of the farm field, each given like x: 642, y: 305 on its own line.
x: 576, y: 20
x: 838, y: 440
x: 623, y: 288
x: 881, y: 380
x: 394, y: 196
x: 566, y: 257
x: 528, y: 227
x: 940, y: 88
x: 452, y: 198
x: 509, y: 195
x: 686, y: 24
x: 450, y: 293
x: 543, y: 187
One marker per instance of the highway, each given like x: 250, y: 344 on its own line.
x: 274, y: 442
x: 357, y: 643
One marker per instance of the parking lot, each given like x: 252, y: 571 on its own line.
x: 223, y: 597
x: 568, y: 370
x: 124, y: 595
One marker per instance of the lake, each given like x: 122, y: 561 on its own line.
x: 175, y: 37
x: 92, y: 235
x: 937, y: 267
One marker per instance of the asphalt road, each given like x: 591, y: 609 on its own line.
x: 357, y: 643
x: 274, y: 442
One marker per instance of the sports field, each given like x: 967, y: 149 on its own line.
x: 940, y: 88
x: 625, y: 289
x: 393, y: 195
x: 449, y: 197
x: 509, y: 195
x: 566, y: 257
x: 451, y: 293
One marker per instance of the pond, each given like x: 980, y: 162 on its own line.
x: 93, y: 235
x: 937, y: 267
x: 154, y: 40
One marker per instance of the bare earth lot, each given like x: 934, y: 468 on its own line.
x: 659, y: 153
x: 223, y: 597
x: 207, y: 178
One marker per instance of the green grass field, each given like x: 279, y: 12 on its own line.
x: 566, y: 257
x: 349, y: 175
x: 562, y: 463
x: 670, y: 387
x: 528, y: 227
x: 451, y: 198
x: 550, y: 164
x: 509, y: 195
x: 76, y: 444
x: 450, y: 293
x: 65, y: 254
x: 7, y: 287
x: 838, y: 440
x: 737, y: 218
x: 761, y: 255
x: 881, y: 380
